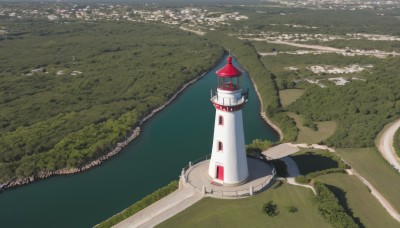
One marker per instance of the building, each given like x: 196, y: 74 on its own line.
x: 228, y: 164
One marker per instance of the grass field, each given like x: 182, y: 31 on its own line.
x: 353, y: 196
x: 311, y: 161
x: 288, y: 96
x: 210, y: 212
x: 307, y: 135
x: 370, y: 164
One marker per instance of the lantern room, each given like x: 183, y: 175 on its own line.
x: 229, y: 77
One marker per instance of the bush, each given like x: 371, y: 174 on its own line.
x: 292, y: 209
x: 302, y: 179
x: 329, y: 207
x: 257, y: 146
x: 270, y: 208
x: 324, y: 172
x: 310, y: 124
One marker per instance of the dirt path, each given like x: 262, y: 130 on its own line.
x: 377, y: 195
x: 309, y: 46
x: 385, y: 145
x: 375, y: 53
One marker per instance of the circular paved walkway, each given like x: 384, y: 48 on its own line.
x: 260, y: 175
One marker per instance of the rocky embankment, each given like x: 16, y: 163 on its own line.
x: 264, y: 116
x: 118, y: 147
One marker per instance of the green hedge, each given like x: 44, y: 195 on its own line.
x: 307, y: 178
x: 140, y: 205
x: 329, y: 207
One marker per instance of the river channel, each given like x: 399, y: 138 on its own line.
x: 180, y: 133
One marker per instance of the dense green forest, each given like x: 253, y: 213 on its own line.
x: 360, y: 108
x: 70, y: 91
x: 284, y: 78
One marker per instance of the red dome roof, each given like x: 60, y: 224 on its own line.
x: 229, y: 70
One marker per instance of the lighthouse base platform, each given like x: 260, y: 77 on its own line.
x: 260, y: 177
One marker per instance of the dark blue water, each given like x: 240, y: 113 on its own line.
x: 180, y: 133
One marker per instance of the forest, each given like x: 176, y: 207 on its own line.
x: 360, y: 108
x: 330, y: 22
x: 70, y: 91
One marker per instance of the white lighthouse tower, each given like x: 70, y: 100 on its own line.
x: 228, y: 164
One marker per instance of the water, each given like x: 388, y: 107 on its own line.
x: 180, y: 133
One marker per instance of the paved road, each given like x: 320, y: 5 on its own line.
x: 280, y: 151
x: 386, y: 145
x: 163, y: 209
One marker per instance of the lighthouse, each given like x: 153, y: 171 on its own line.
x: 228, y: 163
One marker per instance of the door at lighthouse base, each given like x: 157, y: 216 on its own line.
x: 220, y: 172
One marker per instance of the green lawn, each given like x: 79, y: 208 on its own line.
x: 288, y: 96
x: 370, y: 164
x: 210, y: 212
x: 354, y: 194
x: 307, y: 135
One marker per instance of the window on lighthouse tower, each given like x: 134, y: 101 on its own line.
x: 220, y: 146
x: 221, y: 120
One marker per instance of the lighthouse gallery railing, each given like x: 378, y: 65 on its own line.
x: 229, y: 194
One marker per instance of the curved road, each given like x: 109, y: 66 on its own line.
x: 386, y: 145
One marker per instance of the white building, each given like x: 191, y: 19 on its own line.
x: 228, y: 164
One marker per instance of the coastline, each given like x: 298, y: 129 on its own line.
x: 118, y: 147
x: 133, y: 135
x: 263, y: 115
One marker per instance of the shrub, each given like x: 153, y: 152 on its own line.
x: 302, y: 179
x: 324, y: 172
x: 257, y: 146
x: 293, y: 209
x: 329, y: 207
x: 270, y: 208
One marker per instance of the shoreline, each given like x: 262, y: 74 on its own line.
x: 263, y: 115
x: 133, y: 135
x: 98, y: 161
